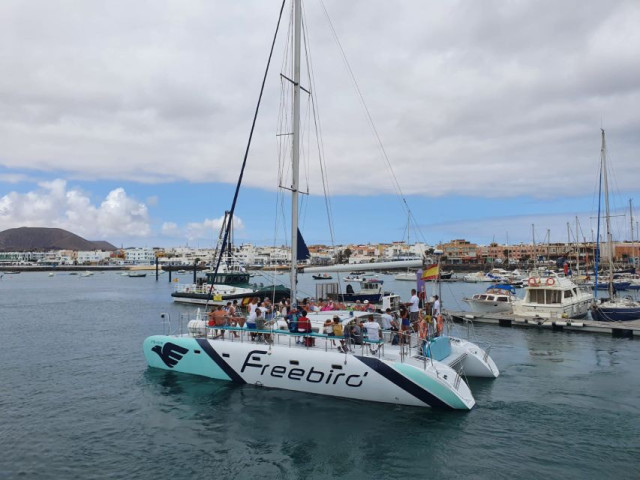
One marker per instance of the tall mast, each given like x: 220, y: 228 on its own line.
x: 578, y: 249
x: 607, y: 215
x: 535, y: 253
x: 295, y: 154
x: 633, y: 257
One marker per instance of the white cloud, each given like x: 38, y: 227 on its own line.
x: 170, y: 229
x: 207, y: 230
x: 13, y: 178
x: 54, y: 204
x: 481, y: 98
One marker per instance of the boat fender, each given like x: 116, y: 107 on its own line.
x: 551, y: 281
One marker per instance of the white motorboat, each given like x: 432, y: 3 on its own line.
x: 311, y: 362
x: 477, y: 277
x: 406, y: 277
x: 497, y: 298
x: 548, y: 295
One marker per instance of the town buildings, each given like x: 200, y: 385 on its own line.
x: 457, y: 251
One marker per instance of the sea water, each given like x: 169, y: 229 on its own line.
x: 78, y: 401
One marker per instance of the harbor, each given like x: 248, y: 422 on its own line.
x: 110, y: 413
x: 309, y: 240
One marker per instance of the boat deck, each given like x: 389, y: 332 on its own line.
x: 628, y: 329
x: 382, y: 349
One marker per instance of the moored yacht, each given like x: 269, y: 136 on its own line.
x: 548, y: 295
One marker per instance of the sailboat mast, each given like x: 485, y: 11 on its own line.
x: 633, y: 258
x: 578, y: 249
x: 607, y: 215
x: 295, y: 154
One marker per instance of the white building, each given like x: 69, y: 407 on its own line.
x: 92, y: 256
x: 140, y: 256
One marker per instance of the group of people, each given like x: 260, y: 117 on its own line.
x: 427, y: 321
x: 261, y: 314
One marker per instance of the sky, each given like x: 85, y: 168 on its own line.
x: 128, y: 121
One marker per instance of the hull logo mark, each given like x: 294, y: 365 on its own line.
x: 170, y: 353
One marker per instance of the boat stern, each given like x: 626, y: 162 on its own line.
x: 185, y: 355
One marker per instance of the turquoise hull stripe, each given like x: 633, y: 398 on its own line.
x: 193, y: 363
x: 431, y: 385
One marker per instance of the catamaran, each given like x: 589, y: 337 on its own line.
x: 416, y: 372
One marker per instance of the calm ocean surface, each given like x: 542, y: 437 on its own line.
x: 78, y: 401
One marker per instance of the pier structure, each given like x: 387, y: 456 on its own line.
x: 628, y: 329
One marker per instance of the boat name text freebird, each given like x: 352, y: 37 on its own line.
x: 311, y: 376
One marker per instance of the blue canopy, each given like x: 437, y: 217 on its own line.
x: 510, y: 288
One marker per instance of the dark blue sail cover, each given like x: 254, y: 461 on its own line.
x: 303, y: 251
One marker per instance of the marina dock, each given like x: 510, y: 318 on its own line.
x: 629, y: 329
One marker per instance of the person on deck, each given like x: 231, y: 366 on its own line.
x: 338, y: 332
x: 405, y: 327
x: 414, y: 306
x: 304, y: 325
x: 386, y: 319
x: 373, y: 329
x: 355, y: 333
x: 436, y: 306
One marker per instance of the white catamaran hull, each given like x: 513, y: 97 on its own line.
x: 312, y: 370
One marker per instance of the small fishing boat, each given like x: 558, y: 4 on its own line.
x: 136, y: 274
x: 321, y: 276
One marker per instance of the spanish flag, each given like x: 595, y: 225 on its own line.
x: 431, y: 272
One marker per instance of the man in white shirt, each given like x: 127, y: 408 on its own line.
x: 436, y: 306
x: 385, y: 319
x: 373, y: 329
x: 414, y: 306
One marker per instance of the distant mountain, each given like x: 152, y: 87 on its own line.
x: 27, y: 239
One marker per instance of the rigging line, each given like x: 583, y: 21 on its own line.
x: 324, y: 174
x: 366, y: 109
x: 319, y: 137
x: 246, y: 155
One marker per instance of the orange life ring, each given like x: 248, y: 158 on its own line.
x: 551, y: 281
x: 534, y: 281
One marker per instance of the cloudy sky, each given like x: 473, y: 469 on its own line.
x: 127, y: 121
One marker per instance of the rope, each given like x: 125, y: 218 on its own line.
x: 246, y: 154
